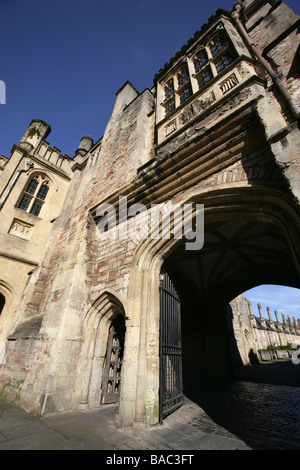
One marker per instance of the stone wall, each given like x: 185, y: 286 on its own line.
x: 255, y: 335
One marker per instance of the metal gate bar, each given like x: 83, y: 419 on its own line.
x: 171, y: 387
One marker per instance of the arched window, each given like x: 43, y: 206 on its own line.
x: 2, y: 302
x: 217, y: 44
x: 34, y: 195
x: 200, y: 60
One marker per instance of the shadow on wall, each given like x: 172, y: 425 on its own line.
x: 253, y: 357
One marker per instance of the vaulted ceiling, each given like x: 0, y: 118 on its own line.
x: 236, y: 256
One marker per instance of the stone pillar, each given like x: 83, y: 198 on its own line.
x: 270, y: 315
x: 251, y: 314
x: 272, y: 334
x: 85, y: 145
x: 250, y: 308
x: 261, y: 314
x: 37, y: 131
x: 277, y: 316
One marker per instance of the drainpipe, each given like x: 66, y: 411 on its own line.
x: 236, y: 16
x: 30, y: 165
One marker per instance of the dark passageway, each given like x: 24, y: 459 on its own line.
x: 257, y: 403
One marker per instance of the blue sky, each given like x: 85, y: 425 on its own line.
x: 63, y: 61
x: 283, y: 299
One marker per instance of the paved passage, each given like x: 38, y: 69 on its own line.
x: 240, y: 415
x: 188, y: 428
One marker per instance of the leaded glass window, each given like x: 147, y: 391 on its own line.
x: 36, y: 208
x: 183, y: 76
x: 24, y: 203
x: 43, y: 191
x: 217, y: 44
x: 170, y: 106
x: 169, y: 89
x: 34, y: 195
x: 186, y: 93
x: 200, y: 60
x: 32, y: 186
x: 224, y: 61
x: 205, y: 78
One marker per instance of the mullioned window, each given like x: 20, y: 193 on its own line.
x: 207, y: 62
x: 34, y: 195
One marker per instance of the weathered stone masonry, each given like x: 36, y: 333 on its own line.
x: 218, y: 127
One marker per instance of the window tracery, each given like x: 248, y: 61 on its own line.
x: 204, y: 64
x: 34, y: 195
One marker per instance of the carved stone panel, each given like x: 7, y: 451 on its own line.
x: 21, y: 229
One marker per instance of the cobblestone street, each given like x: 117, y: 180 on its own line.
x: 261, y: 406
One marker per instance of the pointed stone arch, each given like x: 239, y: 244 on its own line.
x: 6, y: 293
x: 225, y: 202
x: 104, y: 310
x: 2, y: 302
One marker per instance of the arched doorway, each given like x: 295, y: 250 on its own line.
x: 102, y: 352
x: 112, y: 374
x: 2, y: 302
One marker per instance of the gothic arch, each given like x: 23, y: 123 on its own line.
x: 40, y: 171
x: 2, y: 302
x: 36, y: 191
x: 7, y: 293
x: 224, y: 202
x: 97, y: 321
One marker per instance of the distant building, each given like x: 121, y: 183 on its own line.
x: 261, y: 337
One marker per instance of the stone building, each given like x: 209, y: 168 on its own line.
x: 97, y: 308
x: 260, y: 337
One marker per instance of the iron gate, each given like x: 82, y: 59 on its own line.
x: 171, y: 387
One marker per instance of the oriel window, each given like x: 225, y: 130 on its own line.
x: 217, y: 44
x: 186, y: 93
x: 170, y: 106
x: 169, y: 89
x: 205, y: 77
x: 34, y: 195
x: 183, y: 76
x: 224, y: 61
x: 200, y: 60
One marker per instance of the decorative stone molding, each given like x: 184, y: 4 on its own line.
x: 170, y: 127
x: 20, y: 229
x: 196, y: 107
x: 228, y: 83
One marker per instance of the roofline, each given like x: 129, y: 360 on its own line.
x: 204, y: 29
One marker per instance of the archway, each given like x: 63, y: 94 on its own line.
x: 251, y: 236
x: 237, y: 255
x: 2, y: 302
x: 266, y: 322
x: 105, y: 316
